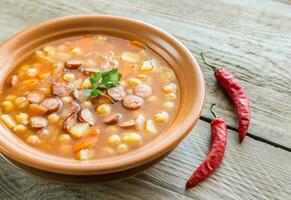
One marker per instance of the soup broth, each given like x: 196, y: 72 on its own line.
x: 90, y: 97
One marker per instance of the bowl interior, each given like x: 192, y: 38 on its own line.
x: 190, y: 78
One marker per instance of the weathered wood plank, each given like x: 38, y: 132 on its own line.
x: 254, y: 170
x: 255, y: 46
x: 16, y: 185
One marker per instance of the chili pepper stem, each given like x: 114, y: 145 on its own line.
x: 215, y: 68
x: 212, y: 111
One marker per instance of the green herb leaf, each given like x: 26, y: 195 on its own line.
x: 110, y: 84
x: 111, y: 78
x: 96, y: 92
x: 106, y: 79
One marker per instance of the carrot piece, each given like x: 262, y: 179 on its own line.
x: 84, y: 144
x: 94, y: 132
x: 139, y: 44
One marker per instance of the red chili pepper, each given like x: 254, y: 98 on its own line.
x: 215, y: 155
x: 237, y: 95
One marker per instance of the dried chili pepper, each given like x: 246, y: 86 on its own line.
x: 215, y: 155
x: 237, y: 95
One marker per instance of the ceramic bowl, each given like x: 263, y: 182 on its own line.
x: 190, y: 78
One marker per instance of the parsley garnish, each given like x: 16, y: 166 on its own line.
x: 106, y: 79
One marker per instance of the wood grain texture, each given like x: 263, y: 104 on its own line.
x: 253, y: 170
x: 251, y: 38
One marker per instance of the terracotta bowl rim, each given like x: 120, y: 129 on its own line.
x: 57, y: 165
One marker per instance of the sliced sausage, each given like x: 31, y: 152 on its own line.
x: 113, y: 119
x: 132, y: 102
x: 85, y: 115
x: 51, y: 104
x: 70, y: 108
x: 128, y: 124
x: 73, y: 64
x: 62, y: 88
x: 38, y: 122
x: 117, y: 93
x: 79, y: 95
x: 14, y: 80
x: 70, y: 121
x: 143, y: 91
x: 35, y: 97
x: 89, y: 70
x: 102, y: 99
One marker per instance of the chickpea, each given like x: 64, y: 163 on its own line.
x: 21, y: 102
x: 171, y: 96
x: 53, y: 118
x: 121, y: 148
x: 169, y: 88
x: 33, y: 139
x: 132, y: 138
x: 168, y: 76
x: 10, y: 97
x: 104, y: 109
x: 77, y: 83
x: 19, y: 128
x: 133, y: 82
x: 168, y: 105
x: 114, y: 139
x: 152, y: 99
x: 22, y: 118
x: 64, y: 138
x: 8, y: 120
x: 90, y: 63
x: 161, y: 117
x: 67, y: 99
x: 140, y: 122
x: 32, y: 72
x: 76, y: 51
x: 146, y: 66
x: 37, y: 109
x: 141, y: 76
x: 41, y: 57
x: 87, y: 104
x: 69, y: 77
x: 150, y: 127
x: 7, y: 106
x: 83, y: 155
x: 45, y: 90
x: 100, y: 39
x: 50, y: 50
x: 86, y: 84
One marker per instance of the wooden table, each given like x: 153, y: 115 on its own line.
x: 252, y: 38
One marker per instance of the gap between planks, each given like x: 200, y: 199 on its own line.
x: 206, y: 119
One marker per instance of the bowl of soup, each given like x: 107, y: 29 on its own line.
x: 95, y: 95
